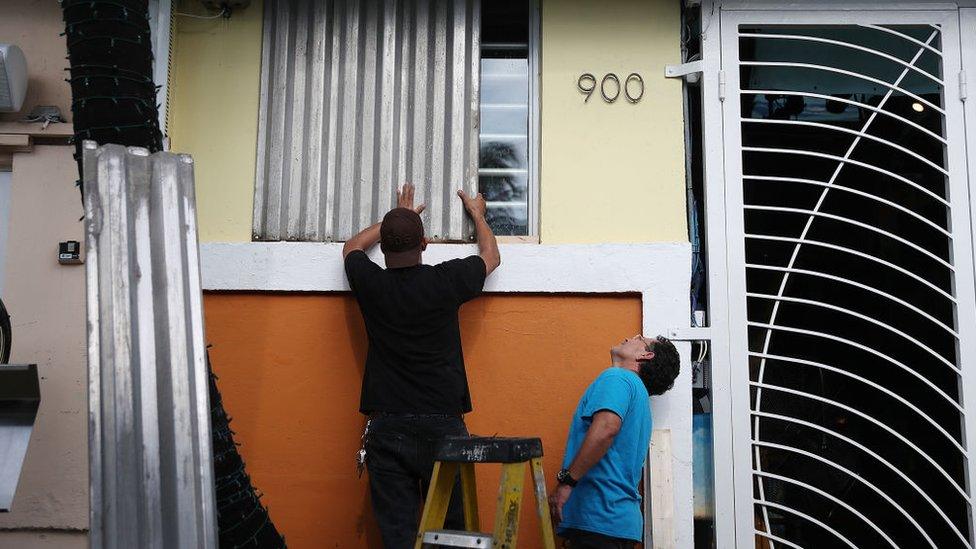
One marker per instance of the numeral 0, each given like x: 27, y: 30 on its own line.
x: 603, y: 87
x: 636, y: 77
x: 587, y: 85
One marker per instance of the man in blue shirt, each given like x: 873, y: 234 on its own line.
x: 596, y: 504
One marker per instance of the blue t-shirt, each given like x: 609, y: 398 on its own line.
x: 605, y: 500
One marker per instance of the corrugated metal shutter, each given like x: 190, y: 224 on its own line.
x: 151, y: 463
x: 356, y: 98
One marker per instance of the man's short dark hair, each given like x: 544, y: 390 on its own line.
x: 659, y: 373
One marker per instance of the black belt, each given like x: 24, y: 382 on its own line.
x: 410, y: 415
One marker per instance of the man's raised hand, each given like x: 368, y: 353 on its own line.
x: 474, y: 205
x: 405, y: 198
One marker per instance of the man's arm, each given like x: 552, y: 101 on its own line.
x: 368, y: 237
x: 599, y: 437
x: 487, y: 243
x: 603, y: 428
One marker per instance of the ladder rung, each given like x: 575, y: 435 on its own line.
x: 488, y: 449
x: 457, y: 538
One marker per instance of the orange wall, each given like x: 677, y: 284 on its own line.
x: 290, y: 367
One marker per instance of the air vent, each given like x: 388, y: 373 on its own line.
x: 13, y: 78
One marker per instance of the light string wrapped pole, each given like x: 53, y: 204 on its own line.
x: 113, y: 96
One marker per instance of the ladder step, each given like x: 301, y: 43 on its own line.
x: 458, y: 538
x: 469, y: 449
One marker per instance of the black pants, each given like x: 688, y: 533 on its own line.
x: 400, y: 459
x: 580, y: 539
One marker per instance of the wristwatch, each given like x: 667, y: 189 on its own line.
x: 563, y: 477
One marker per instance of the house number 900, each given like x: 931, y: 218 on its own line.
x: 610, y: 86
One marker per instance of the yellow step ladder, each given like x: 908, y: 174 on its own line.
x: 459, y: 455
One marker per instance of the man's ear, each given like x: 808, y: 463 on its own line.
x: 645, y: 355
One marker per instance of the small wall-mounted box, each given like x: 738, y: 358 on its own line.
x: 69, y: 253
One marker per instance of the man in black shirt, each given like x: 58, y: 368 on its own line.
x: 415, y: 390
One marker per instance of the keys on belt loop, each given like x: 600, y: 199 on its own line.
x: 361, y: 454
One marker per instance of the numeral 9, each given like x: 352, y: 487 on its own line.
x: 588, y: 90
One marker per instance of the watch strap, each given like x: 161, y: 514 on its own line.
x: 563, y: 477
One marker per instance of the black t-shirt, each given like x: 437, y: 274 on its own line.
x: 414, y: 363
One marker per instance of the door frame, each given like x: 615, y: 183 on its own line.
x: 734, y: 522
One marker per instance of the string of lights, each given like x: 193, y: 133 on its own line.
x: 110, y: 73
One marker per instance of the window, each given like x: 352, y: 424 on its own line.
x: 357, y: 97
x: 507, y: 175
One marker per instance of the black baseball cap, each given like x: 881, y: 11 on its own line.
x: 402, y: 238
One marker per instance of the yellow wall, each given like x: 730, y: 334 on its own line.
x: 611, y: 172
x: 213, y: 114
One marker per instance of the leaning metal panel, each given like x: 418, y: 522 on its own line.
x: 857, y: 286
x: 356, y: 98
x: 151, y: 473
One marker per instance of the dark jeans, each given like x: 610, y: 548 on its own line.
x: 580, y: 539
x: 400, y: 459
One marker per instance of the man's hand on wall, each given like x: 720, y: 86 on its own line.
x: 405, y: 198
x: 474, y: 205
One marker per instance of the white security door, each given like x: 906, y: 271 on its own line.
x: 851, y: 304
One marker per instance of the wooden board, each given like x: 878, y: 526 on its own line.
x: 662, y: 490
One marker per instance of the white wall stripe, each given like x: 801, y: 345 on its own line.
x: 570, y: 268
